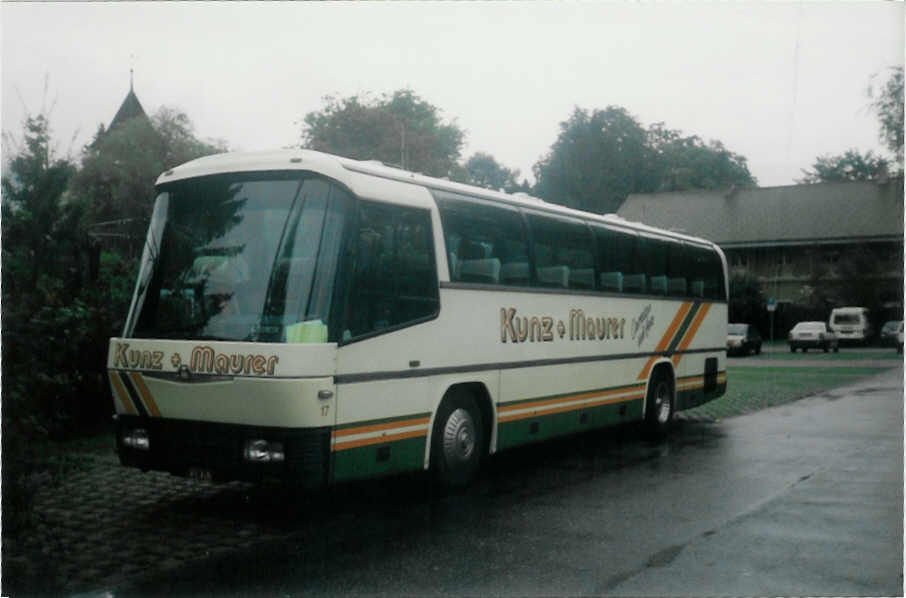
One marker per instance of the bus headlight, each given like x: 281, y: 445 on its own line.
x: 137, y: 438
x: 263, y: 451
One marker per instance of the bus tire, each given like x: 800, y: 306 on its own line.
x: 659, y: 405
x: 457, y: 441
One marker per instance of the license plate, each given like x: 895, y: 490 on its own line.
x: 200, y: 474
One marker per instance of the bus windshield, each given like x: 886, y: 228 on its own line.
x: 240, y: 257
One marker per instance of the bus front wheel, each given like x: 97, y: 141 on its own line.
x: 457, y: 441
x: 659, y: 405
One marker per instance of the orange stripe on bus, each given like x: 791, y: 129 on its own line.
x: 544, y: 412
x: 691, y: 332
x: 578, y: 397
x: 145, y: 393
x: 683, y: 382
x: 665, y: 340
x: 384, y: 426
x: 121, y: 392
x: 341, y: 446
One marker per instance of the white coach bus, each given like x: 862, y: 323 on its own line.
x: 321, y: 319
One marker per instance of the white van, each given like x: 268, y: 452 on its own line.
x: 851, y: 324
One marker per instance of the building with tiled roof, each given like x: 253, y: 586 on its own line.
x: 798, y: 240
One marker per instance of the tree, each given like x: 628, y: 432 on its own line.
x: 37, y: 257
x: 399, y: 129
x: 851, y: 166
x: 601, y: 157
x: 484, y: 171
x: 596, y: 161
x: 863, y: 271
x: 888, y: 104
x: 32, y: 207
x: 115, y: 186
x: 747, y: 302
x: 678, y: 163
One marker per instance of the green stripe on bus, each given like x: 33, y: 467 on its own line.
x: 687, y: 321
x: 515, y: 433
x: 378, y: 459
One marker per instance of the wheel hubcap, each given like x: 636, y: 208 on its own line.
x: 459, y: 437
x: 662, y: 402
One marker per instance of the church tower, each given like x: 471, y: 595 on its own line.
x: 129, y: 109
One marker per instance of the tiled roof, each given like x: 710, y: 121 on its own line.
x: 795, y: 214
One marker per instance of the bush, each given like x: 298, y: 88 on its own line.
x: 54, y: 376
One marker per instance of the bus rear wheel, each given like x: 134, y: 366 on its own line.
x: 659, y: 405
x: 457, y: 441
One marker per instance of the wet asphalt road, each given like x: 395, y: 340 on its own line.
x: 801, y: 499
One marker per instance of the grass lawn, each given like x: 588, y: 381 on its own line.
x: 751, y: 389
x: 843, y: 355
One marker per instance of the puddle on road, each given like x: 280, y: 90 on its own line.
x: 835, y: 395
x: 664, y: 557
x: 872, y: 390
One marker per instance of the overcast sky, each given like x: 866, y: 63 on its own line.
x: 778, y: 83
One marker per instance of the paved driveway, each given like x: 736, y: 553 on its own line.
x: 804, y: 498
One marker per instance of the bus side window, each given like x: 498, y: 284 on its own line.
x: 415, y: 266
x: 677, y: 269
x: 676, y: 287
x: 475, y: 266
x: 564, y: 253
x: 615, y: 261
x: 714, y: 282
x: 707, y: 273
x: 611, y: 281
x: 653, y: 262
x: 486, y: 244
x: 394, y: 279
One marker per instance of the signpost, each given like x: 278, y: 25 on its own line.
x: 772, y: 306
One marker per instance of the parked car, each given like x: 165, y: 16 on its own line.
x: 851, y: 324
x: 889, y: 333
x: 813, y: 335
x: 743, y: 339
x: 900, y: 339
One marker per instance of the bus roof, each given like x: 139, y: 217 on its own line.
x: 356, y: 173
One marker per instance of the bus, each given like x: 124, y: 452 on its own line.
x: 318, y: 319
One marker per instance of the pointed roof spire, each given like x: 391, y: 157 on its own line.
x: 130, y: 108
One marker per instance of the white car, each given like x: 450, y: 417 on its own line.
x: 813, y: 335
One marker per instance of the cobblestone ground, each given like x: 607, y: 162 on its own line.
x: 109, y: 524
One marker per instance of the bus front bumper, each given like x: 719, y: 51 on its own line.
x: 225, y: 452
